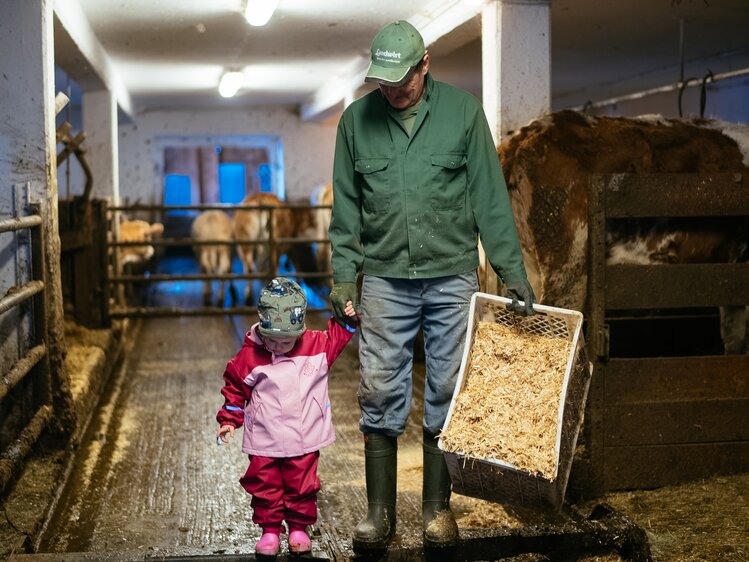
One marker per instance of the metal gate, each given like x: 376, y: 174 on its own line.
x: 656, y: 421
x: 118, y: 279
x: 25, y: 389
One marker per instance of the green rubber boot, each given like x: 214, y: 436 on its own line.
x: 440, y: 528
x: 380, y: 461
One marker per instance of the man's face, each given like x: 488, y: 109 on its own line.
x: 410, y: 92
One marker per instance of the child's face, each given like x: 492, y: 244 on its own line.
x: 279, y: 345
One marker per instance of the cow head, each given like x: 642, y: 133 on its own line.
x: 138, y: 231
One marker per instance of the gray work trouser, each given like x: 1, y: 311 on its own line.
x: 393, y: 310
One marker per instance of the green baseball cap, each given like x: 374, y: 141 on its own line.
x: 282, y: 307
x: 396, y: 49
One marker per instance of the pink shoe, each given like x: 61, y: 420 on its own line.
x: 299, y: 542
x: 268, y: 545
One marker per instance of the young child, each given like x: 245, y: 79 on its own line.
x: 277, y: 387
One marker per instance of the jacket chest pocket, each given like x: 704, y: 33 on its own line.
x: 448, y: 180
x: 375, y: 183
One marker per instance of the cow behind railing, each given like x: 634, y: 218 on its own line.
x: 213, y: 225
x: 275, y: 229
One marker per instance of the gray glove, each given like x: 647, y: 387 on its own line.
x: 339, y: 296
x: 521, y: 290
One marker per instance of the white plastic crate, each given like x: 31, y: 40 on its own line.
x: 499, y: 481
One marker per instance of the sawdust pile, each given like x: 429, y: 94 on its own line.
x: 508, y: 408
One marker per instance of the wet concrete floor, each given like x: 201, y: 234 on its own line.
x: 149, y: 481
x: 149, y: 477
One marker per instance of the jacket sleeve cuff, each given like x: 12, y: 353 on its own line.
x: 228, y: 415
x: 510, y: 276
x: 344, y: 276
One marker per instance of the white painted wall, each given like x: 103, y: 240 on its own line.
x: 307, y: 146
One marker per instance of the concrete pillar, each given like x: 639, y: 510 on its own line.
x: 516, y: 63
x: 516, y: 73
x: 28, y: 158
x: 100, y: 126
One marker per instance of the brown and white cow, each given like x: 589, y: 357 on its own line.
x: 257, y: 255
x: 547, y: 164
x: 137, y: 231
x: 255, y: 226
x: 213, y: 258
x: 135, y: 260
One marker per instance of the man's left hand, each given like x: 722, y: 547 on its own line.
x: 521, y: 290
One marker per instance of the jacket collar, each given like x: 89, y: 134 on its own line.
x: 423, y: 107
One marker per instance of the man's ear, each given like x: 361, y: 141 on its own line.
x: 425, y: 66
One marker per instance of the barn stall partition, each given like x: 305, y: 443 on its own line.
x: 25, y: 387
x: 654, y: 421
x: 124, y: 303
x: 83, y: 258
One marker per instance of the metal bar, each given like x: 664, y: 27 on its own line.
x: 191, y: 242
x: 209, y: 277
x: 659, y: 90
x: 43, y: 376
x: 144, y: 312
x: 221, y: 207
x: 302, y: 241
x: 21, y: 369
x: 18, y: 449
x: 172, y: 242
x: 19, y: 223
x: 16, y: 295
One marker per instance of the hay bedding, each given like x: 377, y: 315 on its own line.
x: 508, y: 408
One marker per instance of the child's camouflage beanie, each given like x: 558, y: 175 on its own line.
x: 282, y: 307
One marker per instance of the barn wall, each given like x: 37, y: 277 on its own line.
x: 307, y: 147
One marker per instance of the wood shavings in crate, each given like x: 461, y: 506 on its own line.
x: 508, y: 409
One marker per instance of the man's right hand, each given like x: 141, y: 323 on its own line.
x: 339, y: 296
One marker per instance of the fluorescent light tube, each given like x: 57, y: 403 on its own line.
x: 259, y: 12
x: 230, y: 83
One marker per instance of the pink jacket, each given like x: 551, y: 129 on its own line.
x: 283, y: 399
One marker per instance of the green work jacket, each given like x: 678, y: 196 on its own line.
x: 412, y: 207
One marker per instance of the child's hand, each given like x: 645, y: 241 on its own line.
x: 350, y: 309
x: 350, y: 312
x: 221, y: 434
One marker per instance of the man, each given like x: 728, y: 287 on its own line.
x: 416, y: 178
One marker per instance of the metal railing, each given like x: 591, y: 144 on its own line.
x: 117, y: 278
x: 32, y: 370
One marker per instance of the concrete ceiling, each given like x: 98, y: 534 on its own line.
x: 171, y: 54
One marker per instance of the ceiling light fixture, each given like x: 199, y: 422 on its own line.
x: 230, y: 83
x: 259, y: 12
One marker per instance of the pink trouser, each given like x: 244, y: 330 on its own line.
x: 283, y: 489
